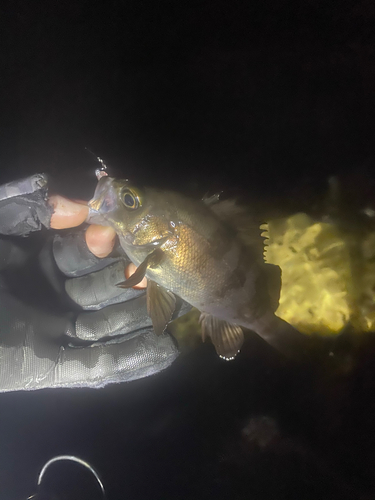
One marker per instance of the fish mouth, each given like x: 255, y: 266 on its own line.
x: 103, y: 202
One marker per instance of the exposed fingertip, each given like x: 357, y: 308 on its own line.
x: 100, y: 240
x: 130, y: 269
x: 66, y: 213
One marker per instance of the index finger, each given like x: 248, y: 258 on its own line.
x: 67, y: 213
x: 72, y: 213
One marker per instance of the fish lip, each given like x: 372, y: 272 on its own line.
x: 95, y: 217
x: 104, y: 185
x: 103, y: 202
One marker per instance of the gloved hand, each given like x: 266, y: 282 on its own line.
x: 77, y: 332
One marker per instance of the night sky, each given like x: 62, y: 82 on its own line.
x: 259, y: 97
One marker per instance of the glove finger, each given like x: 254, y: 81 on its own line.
x: 74, y: 258
x: 138, y: 357
x: 28, y: 346
x: 119, y: 319
x: 38, y: 365
x: 98, y: 289
x: 114, y: 320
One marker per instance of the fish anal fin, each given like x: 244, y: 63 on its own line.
x: 152, y: 260
x: 227, y: 338
x: 160, y: 306
x: 273, y: 276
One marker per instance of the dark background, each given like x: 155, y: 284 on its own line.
x: 269, y: 98
x: 255, y: 93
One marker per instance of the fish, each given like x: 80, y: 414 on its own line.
x: 197, y: 250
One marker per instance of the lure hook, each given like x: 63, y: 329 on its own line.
x: 71, y: 458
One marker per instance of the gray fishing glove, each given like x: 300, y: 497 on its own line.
x: 79, y: 331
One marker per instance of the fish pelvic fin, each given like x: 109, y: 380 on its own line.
x: 160, y: 306
x: 152, y: 260
x: 227, y: 338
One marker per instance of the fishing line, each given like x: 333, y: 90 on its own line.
x: 102, y: 171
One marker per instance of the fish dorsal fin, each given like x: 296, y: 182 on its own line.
x: 273, y: 275
x: 250, y: 230
x: 227, y: 338
x: 152, y: 260
x: 266, y: 238
x: 160, y: 306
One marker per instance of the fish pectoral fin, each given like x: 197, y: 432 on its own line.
x: 152, y: 260
x: 227, y: 338
x: 160, y: 306
x: 135, y: 278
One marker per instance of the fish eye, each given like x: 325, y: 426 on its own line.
x: 129, y: 199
